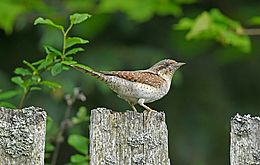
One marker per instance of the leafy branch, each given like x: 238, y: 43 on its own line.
x: 215, y: 25
x: 30, y: 78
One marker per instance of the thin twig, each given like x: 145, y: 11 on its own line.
x: 70, y: 100
x: 25, y: 94
x: 252, y: 31
x: 60, y: 139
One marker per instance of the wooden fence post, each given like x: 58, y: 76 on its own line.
x: 22, y: 136
x: 245, y: 140
x: 128, y: 138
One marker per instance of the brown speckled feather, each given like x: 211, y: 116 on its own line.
x: 144, y: 77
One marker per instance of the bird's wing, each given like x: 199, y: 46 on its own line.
x: 144, y: 77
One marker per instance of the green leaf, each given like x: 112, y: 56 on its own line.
x: 65, y: 67
x: 255, y: 20
x: 74, y: 51
x: 30, y: 65
x: 79, y: 142
x: 49, y: 50
x: 9, y: 11
x: 18, y: 80
x: 215, y: 25
x: 35, y: 89
x: 69, y: 62
x: 49, y: 22
x: 50, y: 124
x: 70, y: 41
x: 38, y: 62
x: 22, y: 71
x: 78, y: 18
x: 51, y: 84
x: 184, y: 24
x: 7, y: 105
x: 77, y: 158
x: 56, y: 69
x: 44, y: 64
x: 49, y: 147
x: 35, y: 79
x: 8, y: 94
x: 81, y: 116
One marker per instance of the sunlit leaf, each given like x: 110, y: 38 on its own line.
x: 22, y: 71
x: 255, y: 20
x: 74, y: 51
x: 35, y: 89
x: 184, y: 24
x: 140, y: 10
x: 38, y: 62
x: 79, y: 142
x: 69, y: 62
x: 50, y: 49
x: 78, y: 158
x: 29, y: 65
x: 49, y: 22
x: 44, y: 64
x: 51, y: 84
x: 9, y: 10
x: 78, y: 18
x: 215, y: 25
x: 70, y: 41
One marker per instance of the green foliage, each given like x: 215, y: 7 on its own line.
x: 30, y: 77
x: 7, y: 104
x: 255, y: 20
x: 77, y: 158
x: 214, y: 25
x: 141, y: 10
x: 80, y: 143
x: 49, y: 22
x: 81, y: 116
x: 50, y: 130
x: 71, y: 41
x: 8, y: 94
x: 9, y: 10
x: 78, y: 18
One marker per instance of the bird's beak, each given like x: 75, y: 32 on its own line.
x: 180, y: 64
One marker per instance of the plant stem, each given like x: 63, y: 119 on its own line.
x: 64, y: 39
x: 65, y: 122
x: 25, y: 94
x: 252, y: 31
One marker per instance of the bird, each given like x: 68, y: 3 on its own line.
x: 139, y: 86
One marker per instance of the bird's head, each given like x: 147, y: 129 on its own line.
x: 166, y: 68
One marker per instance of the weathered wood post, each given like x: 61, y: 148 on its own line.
x: 128, y: 138
x: 22, y: 136
x: 245, y: 140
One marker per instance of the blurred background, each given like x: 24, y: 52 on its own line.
x: 218, y: 41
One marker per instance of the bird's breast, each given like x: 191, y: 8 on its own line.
x: 133, y: 91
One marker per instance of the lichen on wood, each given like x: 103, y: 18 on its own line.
x: 122, y: 138
x: 22, y: 136
x: 245, y: 140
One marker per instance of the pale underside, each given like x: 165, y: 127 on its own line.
x: 149, y: 87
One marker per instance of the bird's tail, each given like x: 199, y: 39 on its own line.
x: 88, y: 70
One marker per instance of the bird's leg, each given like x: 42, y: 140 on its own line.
x: 141, y: 102
x: 132, y: 106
